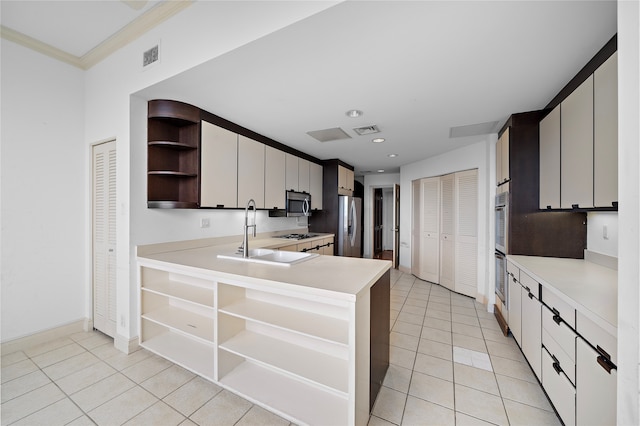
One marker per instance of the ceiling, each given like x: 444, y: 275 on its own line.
x: 415, y: 69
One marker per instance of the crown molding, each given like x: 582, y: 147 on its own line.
x: 126, y: 35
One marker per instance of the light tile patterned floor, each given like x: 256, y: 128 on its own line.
x: 449, y: 365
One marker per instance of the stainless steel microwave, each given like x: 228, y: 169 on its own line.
x: 298, y: 204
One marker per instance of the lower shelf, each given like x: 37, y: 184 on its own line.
x: 188, y: 353
x: 289, y: 398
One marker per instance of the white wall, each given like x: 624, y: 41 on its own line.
x: 44, y: 280
x: 596, y: 241
x: 113, y: 110
x: 481, y: 156
x: 629, y: 213
x: 371, y: 182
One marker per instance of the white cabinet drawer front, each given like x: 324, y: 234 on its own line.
x: 563, y: 335
x: 568, y: 365
x: 597, y: 336
x: 560, y: 390
x: 529, y: 284
x: 513, y: 270
x: 566, y: 311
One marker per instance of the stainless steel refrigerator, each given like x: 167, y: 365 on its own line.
x: 349, y: 226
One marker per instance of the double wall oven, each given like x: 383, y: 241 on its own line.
x: 502, y: 244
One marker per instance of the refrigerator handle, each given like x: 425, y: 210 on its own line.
x: 354, y: 222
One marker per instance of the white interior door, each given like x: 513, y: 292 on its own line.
x: 104, y: 237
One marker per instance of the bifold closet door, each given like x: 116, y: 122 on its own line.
x: 104, y: 238
x: 466, y: 237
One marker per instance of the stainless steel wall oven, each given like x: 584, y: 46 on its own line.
x: 502, y: 244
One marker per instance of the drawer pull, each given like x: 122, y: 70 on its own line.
x: 556, y: 364
x: 530, y: 296
x: 604, y: 359
x: 556, y: 316
x: 528, y: 289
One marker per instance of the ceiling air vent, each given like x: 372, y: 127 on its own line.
x: 367, y: 130
x: 327, y: 135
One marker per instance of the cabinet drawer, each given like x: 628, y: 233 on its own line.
x: 559, y: 389
x: 513, y: 270
x: 529, y: 284
x: 568, y: 364
x: 563, y: 335
x: 597, y: 336
x: 567, y: 312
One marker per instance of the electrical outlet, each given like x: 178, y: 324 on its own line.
x: 605, y: 232
x: 204, y: 222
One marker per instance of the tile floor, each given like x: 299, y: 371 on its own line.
x: 449, y: 365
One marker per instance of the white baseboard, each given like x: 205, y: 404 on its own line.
x: 126, y: 345
x: 45, y: 336
x: 404, y: 269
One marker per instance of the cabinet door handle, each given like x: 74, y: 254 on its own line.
x: 556, y: 316
x: 528, y: 289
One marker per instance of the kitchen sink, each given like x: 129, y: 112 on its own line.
x: 270, y: 257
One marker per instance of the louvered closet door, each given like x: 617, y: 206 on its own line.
x: 466, y: 233
x: 447, y: 231
x: 430, y: 229
x: 104, y: 237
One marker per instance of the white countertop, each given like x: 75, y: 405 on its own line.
x: 329, y: 276
x: 588, y: 287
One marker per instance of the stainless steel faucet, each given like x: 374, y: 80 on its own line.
x: 245, y: 240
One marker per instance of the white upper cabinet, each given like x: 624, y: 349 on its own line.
x: 345, y: 181
x: 303, y: 175
x: 502, y: 158
x: 291, y: 176
x: 550, y: 160
x: 251, y: 181
x: 219, y: 167
x: 576, y: 149
x: 315, y: 185
x: 274, y: 178
x: 605, y: 128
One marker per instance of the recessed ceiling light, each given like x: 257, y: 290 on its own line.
x: 381, y: 171
x: 353, y: 113
x: 392, y: 155
x: 377, y: 140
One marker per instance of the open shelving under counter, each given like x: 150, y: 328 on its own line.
x: 290, y: 343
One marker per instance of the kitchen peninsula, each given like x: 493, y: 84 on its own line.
x: 308, y: 341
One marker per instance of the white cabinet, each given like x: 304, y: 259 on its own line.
x: 576, y: 149
x: 466, y: 232
x: 596, y: 374
x: 291, y: 166
x: 605, y: 128
x: 531, y: 343
x: 274, y: 178
x: 178, y: 319
x: 345, y: 181
x: 550, y: 160
x: 303, y: 175
x: 315, y: 185
x: 515, y: 308
x: 251, y: 181
x: 502, y: 159
x: 219, y: 167
x: 447, y: 231
x: 559, y: 389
